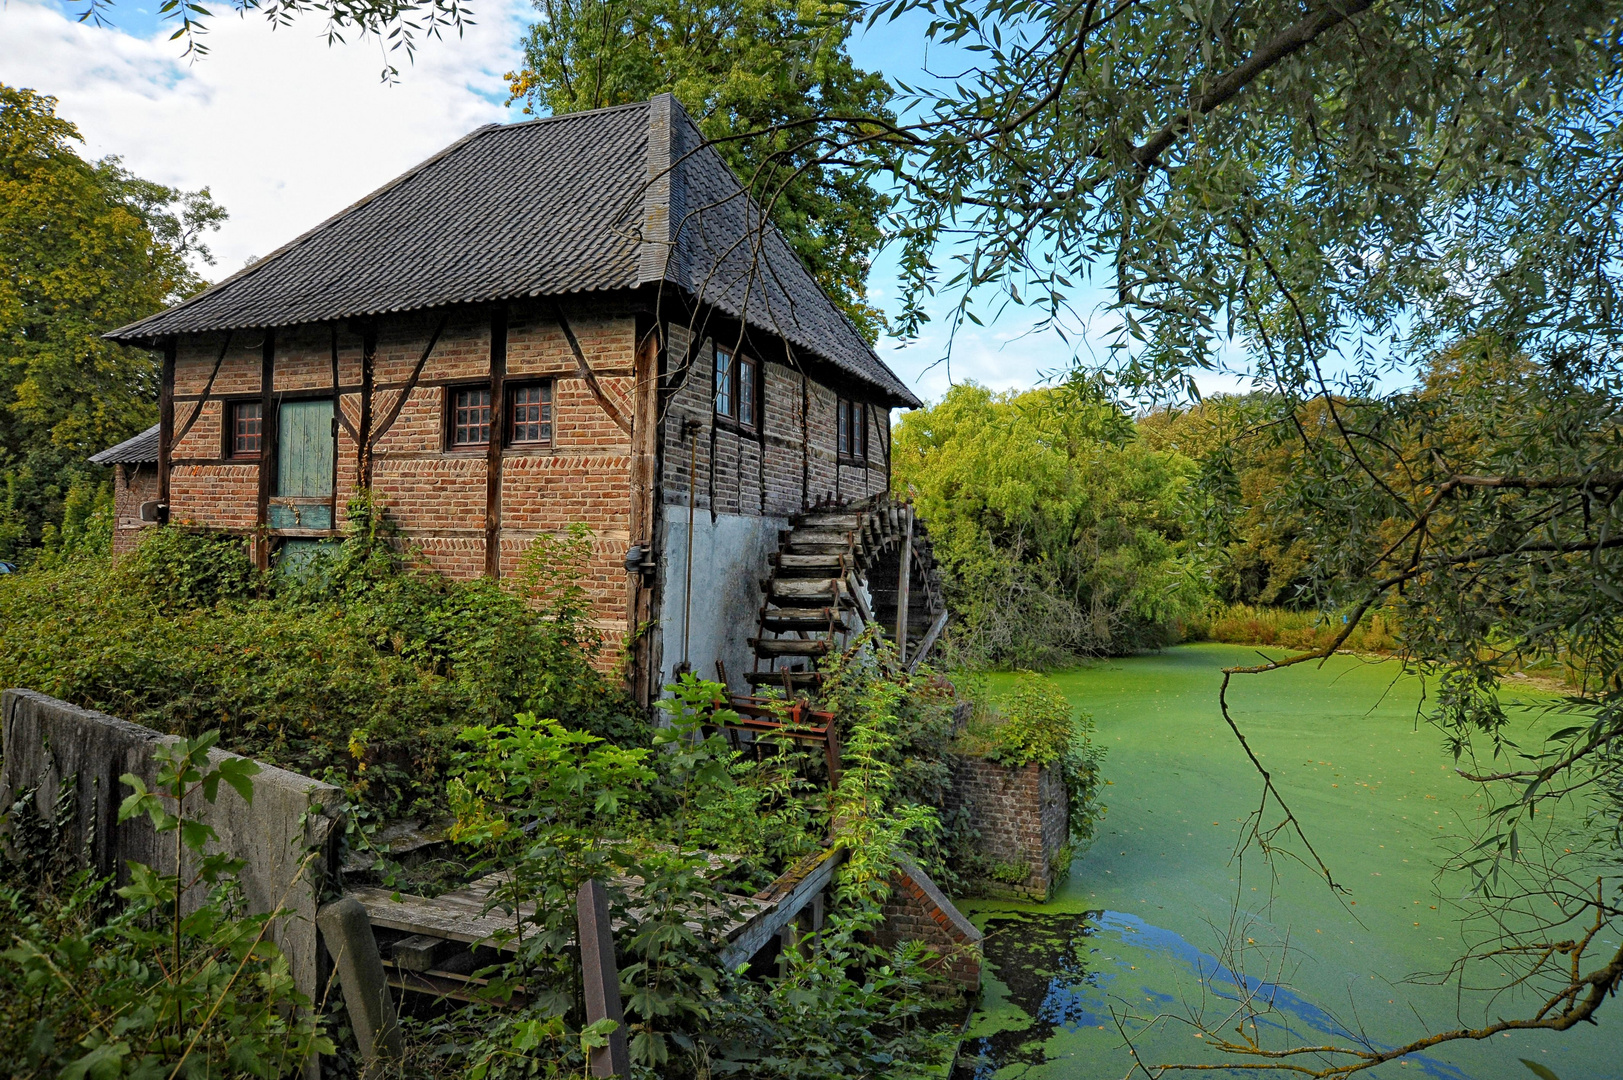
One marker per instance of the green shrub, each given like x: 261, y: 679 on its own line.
x: 555, y: 808
x: 1244, y: 624
x: 1033, y: 725
x: 1036, y: 725
x: 362, y: 672
x: 159, y: 989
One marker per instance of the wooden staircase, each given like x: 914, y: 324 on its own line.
x: 836, y: 569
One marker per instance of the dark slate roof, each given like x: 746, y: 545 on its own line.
x: 610, y: 199
x: 138, y: 450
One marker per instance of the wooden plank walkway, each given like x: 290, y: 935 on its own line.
x: 466, y: 916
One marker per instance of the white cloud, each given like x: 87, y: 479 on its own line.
x: 283, y: 129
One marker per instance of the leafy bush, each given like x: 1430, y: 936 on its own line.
x: 1036, y: 724
x: 157, y: 990
x: 1243, y: 624
x: 555, y: 808
x: 362, y: 672
x: 1060, y: 533
x: 1033, y: 725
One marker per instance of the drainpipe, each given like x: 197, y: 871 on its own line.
x: 690, y: 428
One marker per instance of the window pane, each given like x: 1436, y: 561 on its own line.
x: 247, y: 433
x: 470, y: 420
x: 532, y: 414
x: 746, y: 392
x: 843, y: 421
x: 859, y: 430
x: 724, y: 383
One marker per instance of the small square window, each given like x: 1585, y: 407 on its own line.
x: 470, y: 417
x: 724, y: 383
x: 532, y: 414
x: 746, y: 391
x: 247, y: 428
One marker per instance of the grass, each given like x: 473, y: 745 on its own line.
x: 1381, y: 803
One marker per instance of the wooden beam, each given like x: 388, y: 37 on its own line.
x: 585, y: 371
x: 203, y: 397
x: 493, y: 455
x: 600, y: 978
x: 363, y: 440
x: 644, y: 506
x: 929, y: 641
x: 904, y: 578
x: 405, y: 391
x: 166, y: 426
x: 786, y: 898
x: 267, y: 448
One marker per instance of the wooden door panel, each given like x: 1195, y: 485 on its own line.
x: 305, y: 457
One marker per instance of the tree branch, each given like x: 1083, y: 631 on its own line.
x: 1286, y: 43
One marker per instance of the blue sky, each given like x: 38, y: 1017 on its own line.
x: 286, y: 131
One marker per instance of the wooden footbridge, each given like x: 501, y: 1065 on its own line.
x: 433, y: 945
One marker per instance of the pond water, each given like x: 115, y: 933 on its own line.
x: 1159, y: 918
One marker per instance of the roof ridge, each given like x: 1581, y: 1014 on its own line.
x: 550, y: 117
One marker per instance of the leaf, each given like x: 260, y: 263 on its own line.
x: 238, y: 772
x: 105, y: 1062
x: 1541, y: 1071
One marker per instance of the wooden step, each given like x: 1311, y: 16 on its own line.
x: 820, y: 547
x: 798, y: 680
x: 814, y: 589
x: 770, y: 647
x: 814, y: 565
x: 798, y: 618
x: 829, y: 519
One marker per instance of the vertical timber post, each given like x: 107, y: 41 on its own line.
x: 369, y: 356
x: 267, y: 448
x: 904, y: 578
x: 498, y: 436
x: 644, y: 469
x: 166, y: 426
x: 601, y: 979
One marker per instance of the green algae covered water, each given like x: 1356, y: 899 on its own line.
x: 1159, y: 918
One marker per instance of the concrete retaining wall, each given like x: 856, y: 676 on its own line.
x: 286, y: 835
x: 1022, y: 815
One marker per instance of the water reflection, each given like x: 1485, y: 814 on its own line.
x: 1053, y: 978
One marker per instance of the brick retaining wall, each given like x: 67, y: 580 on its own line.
x: 1022, y: 817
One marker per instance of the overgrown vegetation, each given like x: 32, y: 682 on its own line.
x: 1034, y: 724
x: 577, y: 807
x: 152, y: 986
x: 362, y: 673
x: 681, y: 825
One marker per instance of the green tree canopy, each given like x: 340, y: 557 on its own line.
x: 1329, y: 197
x: 85, y: 247
x: 1062, y: 534
x: 759, y: 77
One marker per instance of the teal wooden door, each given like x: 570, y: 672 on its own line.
x: 304, y: 465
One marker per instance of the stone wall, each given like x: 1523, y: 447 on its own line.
x: 918, y: 911
x: 286, y: 834
x: 1022, y: 816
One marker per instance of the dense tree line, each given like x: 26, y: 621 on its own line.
x: 84, y: 247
